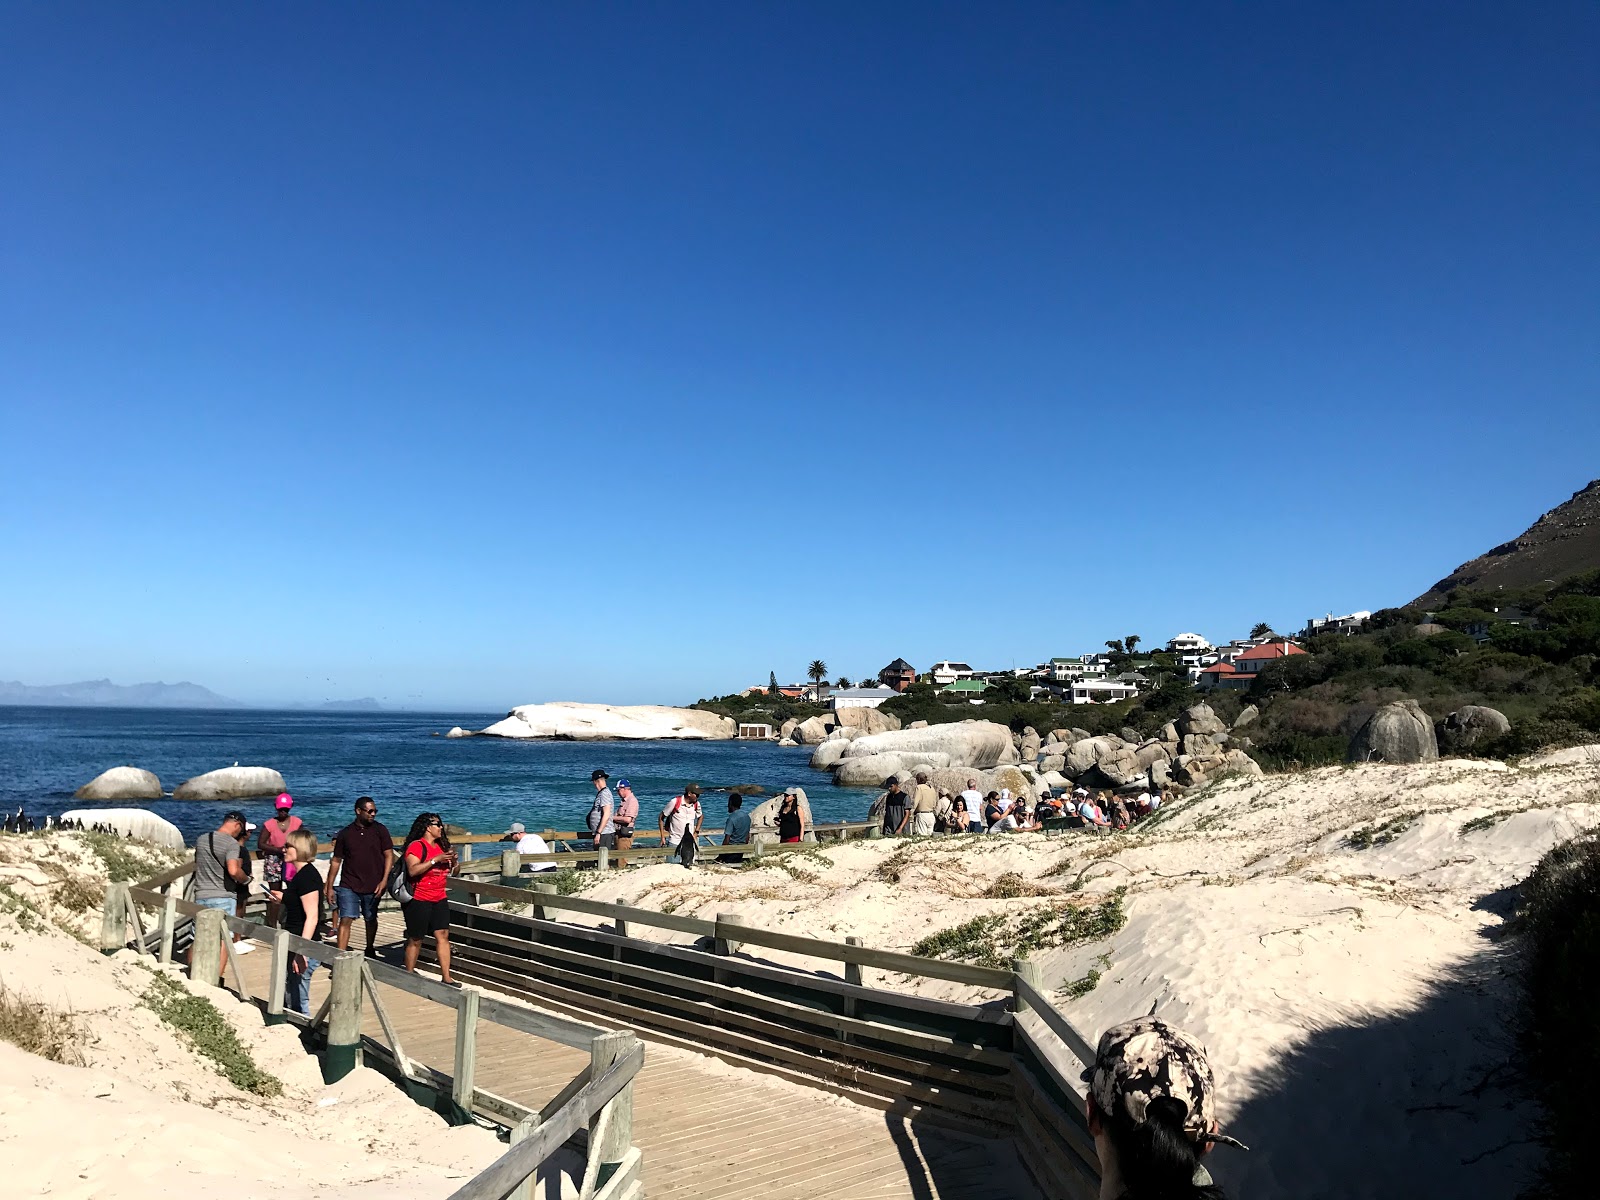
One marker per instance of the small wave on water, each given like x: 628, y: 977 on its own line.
x: 330, y: 758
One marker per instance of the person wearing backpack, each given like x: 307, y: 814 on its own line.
x: 419, y: 885
x: 680, y: 823
x: 602, y: 813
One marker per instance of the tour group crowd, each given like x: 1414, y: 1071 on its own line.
x: 928, y: 810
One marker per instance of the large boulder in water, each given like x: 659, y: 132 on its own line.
x: 962, y: 743
x: 813, y: 731
x: 130, y: 822
x: 829, y: 752
x: 868, y: 720
x: 871, y: 770
x: 569, y: 721
x: 231, y: 783
x: 121, y: 783
x: 1469, y: 725
x: 1396, y: 733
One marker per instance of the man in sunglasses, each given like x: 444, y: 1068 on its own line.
x: 364, y: 852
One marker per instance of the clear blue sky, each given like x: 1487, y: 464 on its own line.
x: 483, y: 354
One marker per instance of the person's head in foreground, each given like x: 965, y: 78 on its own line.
x: 599, y: 779
x: 1152, y: 1112
x: 735, y: 801
x: 791, y: 802
x: 301, y: 846
x: 366, y: 810
x: 514, y: 834
x: 691, y: 791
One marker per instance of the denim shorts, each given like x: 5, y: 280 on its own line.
x: 225, y: 904
x: 354, y: 904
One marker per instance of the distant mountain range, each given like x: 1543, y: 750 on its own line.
x: 364, y: 704
x: 104, y: 693
x: 1563, y: 542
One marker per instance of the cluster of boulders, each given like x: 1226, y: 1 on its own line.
x: 1195, y: 748
x: 1402, y: 732
x: 847, y: 722
x: 228, y: 783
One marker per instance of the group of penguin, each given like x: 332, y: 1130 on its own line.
x: 21, y: 822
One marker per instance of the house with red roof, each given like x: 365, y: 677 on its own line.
x: 1242, y: 671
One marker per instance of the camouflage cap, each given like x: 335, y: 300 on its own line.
x: 1140, y: 1061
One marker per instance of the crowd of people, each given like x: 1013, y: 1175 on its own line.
x: 926, y: 810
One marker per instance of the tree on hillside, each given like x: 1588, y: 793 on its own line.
x: 772, y: 687
x: 1115, y: 646
x: 818, y: 670
x: 1131, y: 641
x: 1260, y: 629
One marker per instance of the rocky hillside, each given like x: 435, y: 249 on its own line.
x: 1563, y: 542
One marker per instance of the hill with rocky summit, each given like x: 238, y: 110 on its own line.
x: 1563, y: 542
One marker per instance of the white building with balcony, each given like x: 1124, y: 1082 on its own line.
x: 946, y: 673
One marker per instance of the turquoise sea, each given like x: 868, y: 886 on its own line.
x: 330, y: 758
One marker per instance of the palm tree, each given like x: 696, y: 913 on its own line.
x: 844, y: 682
x: 818, y: 670
x: 1260, y: 629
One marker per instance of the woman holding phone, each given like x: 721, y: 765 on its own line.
x: 428, y: 862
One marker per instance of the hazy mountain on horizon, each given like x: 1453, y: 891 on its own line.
x: 102, y: 693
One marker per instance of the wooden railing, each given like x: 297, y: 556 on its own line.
x: 598, y: 1101
x: 1012, y: 1064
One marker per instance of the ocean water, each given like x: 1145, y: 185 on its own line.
x: 330, y: 758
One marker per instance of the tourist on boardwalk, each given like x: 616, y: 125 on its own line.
x: 363, y: 856
x: 275, y: 831
x: 627, y: 816
x: 602, y: 827
x: 974, y: 799
x: 924, y: 806
x: 302, y: 915
x: 217, y: 871
x: 680, y: 823
x: 1151, y: 1106
x: 426, y: 863
x: 529, y: 843
x: 791, y: 822
x: 895, y: 817
x: 736, y: 829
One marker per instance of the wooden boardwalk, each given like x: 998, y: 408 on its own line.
x: 709, y: 1129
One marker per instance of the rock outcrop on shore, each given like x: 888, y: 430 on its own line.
x: 569, y: 721
x: 231, y: 783
x: 131, y: 822
x: 1397, y: 733
x: 121, y: 783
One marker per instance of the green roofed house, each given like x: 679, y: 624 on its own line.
x: 972, y: 689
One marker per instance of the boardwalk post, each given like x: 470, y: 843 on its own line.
x: 344, y: 1018
x: 1029, y: 973
x: 523, y: 1190
x: 852, y: 974
x: 724, y: 942
x: 277, y: 977
x: 875, y: 831
x: 114, y: 919
x: 463, y: 1081
x: 169, y: 923
x: 548, y: 889
x: 613, y: 1125
x: 466, y: 851
x: 205, y: 952
x: 604, y: 861
x: 758, y: 848
x: 510, y: 868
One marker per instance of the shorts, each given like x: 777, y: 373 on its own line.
x: 922, y: 823
x: 426, y: 916
x: 353, y: 904
x: 220, y: 903
x: 608, y: 840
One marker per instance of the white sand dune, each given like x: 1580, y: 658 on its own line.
x: 1355, y: 1001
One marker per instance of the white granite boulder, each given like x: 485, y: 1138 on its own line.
x: 137, y: 823
x: 121, y: 783
x: 567, y: 721
x: 231, y: 783
x: 963, y: 744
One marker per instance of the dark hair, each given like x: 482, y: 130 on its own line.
x: 360, y: 800
x: 419, y: 825
x: 735, y: 800
x: 1157, y: 1157
x: 788, y: 799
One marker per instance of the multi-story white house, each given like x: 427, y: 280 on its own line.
x: 1187, y: 643
x: 1099, y: 691
x: 1346, y: 624
x: 862, y: 697
x: 945, y: 673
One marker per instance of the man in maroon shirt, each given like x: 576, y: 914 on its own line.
x: 364, y: 850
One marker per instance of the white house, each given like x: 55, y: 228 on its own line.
x: 862, y: 697
x: 1188, y: 643
x: 946, y: 673
x: 1346, y: 624
x: 1100, y: 691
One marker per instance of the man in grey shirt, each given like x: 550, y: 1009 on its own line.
x: 218, y: 871
x: 601, y: 814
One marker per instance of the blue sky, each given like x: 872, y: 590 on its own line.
x: 482, y: 354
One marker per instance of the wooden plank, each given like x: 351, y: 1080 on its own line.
x: 1073, y: 1177
x: 1064, y: 1029
x: 885, y: 960
x: 597, y: 908
x: 466, y: 1057
x: 932, y: 1043
x: 556, y: 1029
x: 711, y: 1013
x: 402, y: 1063
x: 773, y: 972
x: 1050, y: 1057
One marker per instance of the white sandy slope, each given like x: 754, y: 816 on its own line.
x: 147, y: 1117
x: 605, y: 722
x: 1355, y: 1002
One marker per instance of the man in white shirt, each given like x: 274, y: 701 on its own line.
x: 529, y: 843
x: 974, y: 799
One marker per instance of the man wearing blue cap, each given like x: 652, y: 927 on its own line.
x: 627, y: 815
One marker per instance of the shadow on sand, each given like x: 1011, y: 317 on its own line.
x: 1421, y: 1104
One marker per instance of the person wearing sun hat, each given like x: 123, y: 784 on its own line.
x: 270, y: 841
x: 1152, y: 1112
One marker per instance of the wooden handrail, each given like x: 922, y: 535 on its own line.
x: 1036, y: 1002
x: 497, y: 1180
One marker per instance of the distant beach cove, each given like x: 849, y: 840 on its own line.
x: 330, y: 758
